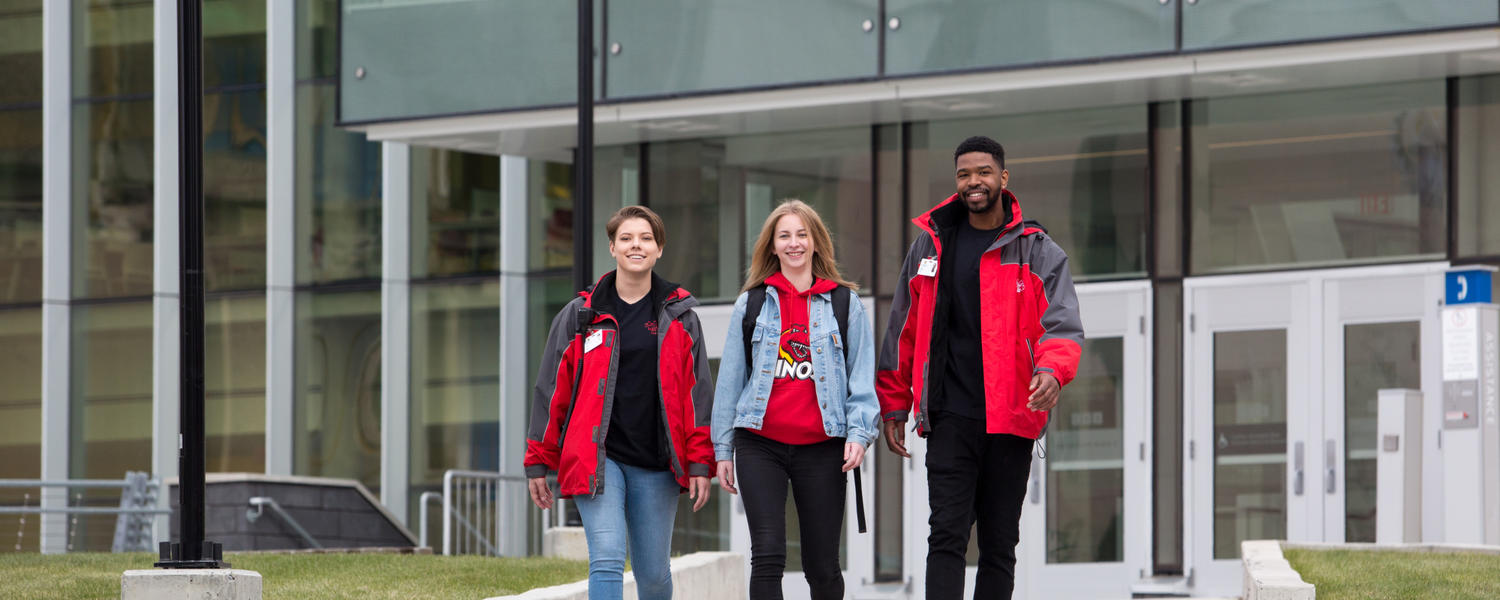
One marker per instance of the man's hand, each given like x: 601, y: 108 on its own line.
x: 854, y: 455
x: 698, y: 491
x: 541, y: 495
x: 726, y: 476
x: 895, y: 437
x: 1044, y: 392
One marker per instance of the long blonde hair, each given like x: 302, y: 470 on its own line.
x: 763, y: 260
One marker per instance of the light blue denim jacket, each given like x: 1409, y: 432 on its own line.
x: 849, y: 407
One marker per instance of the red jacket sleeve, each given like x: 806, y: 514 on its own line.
x: 553, y: 393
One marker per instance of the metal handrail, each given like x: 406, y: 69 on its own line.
x: 480, y: 489
x: 258, y: 505
x: 81, y: 510
x: 422, y: 502
x: 70, y: 483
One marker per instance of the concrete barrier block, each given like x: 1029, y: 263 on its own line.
x: 565, y: 542
x: 1268, y: 575
x: 717, y: 575
x: 190, y: 584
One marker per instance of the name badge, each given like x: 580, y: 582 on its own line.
x: 928, y: 267
x: 593, y: 340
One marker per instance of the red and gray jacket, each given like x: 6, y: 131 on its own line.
x: 567, y: 434
x: 1028, y: 318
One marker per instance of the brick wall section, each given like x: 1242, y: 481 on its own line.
x: 337, y: 516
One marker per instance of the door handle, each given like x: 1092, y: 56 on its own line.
x: 1297, y: 468
x: 1330, y: 470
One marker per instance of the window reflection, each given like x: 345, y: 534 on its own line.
x: 336, y: 414
x: 1085, y: 460
x: 1249, y: 442
x: 112, y: 45
x: 714, y: 194
x: 455, y: 382
x: 234, y: 190
x: 1376, y: 356
x: 455, y: 213
x: 20, y: 205
x: 1081, y: 173
x: 1321, y: 177
x: 338, y: 194
x: 234, y: 361
x: 110, y: 420
x: 1477, y: 224
x: 21, y: 416
x: 112, y: 198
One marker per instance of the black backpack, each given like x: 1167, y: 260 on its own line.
x: 758, y: 298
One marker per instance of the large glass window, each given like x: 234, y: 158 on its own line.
x: 110, y: 420
x: 112, y: 201
x: 112, y: 148
x: 336, y: 415
x: 338, y: 194
x: 338, y: 172
x: 1477, y: 147
x: 234, y: 361
x: 715, y: 193
x: 234, y: 190
x: 21, y: 153
x: 1317, y: 178
x: 1082, y: 174
x: 455, y: 214
x: 455, y: 382
x: 20, y: 419
x: 234, y: 144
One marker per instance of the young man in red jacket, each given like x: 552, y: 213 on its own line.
x: 983, y: 334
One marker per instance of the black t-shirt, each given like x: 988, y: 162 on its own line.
x: 962, y: 391
x: 635, y: 423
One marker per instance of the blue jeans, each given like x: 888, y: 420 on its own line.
x: 639, y: 505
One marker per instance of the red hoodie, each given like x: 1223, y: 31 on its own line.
x: 792, y: 415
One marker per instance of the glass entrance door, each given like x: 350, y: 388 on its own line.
x: 1086, y: 522
x: 1247, y: 377
x: 1378, y: 325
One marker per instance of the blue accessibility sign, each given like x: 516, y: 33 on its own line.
x: 1469, y: 284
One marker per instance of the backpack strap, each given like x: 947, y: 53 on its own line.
x: 841, y: 313
x: 757, y: 299
x: 753, y: 304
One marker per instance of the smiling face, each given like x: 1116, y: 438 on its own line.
x: 792, y: 244
x: 980, y: 181
x: 634, y: 247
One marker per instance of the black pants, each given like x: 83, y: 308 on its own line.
x: 765, y: 466
x: 971, y: 473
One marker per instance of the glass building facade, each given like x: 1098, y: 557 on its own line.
x: 375, y: 310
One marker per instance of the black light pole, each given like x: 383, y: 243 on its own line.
x: 191, y: 551
x: 583, y: 155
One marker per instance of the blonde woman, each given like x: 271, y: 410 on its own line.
x: 795, y: 402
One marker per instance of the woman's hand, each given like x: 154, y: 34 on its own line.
x: 854, y: 455
x: 541, y: 495
x: 726, y: 476
x: 698, y: 491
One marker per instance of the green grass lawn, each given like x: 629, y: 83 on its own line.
x: 1340, y: 574
x: 300, y: 576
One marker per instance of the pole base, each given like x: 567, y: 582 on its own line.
x: 172, y: 557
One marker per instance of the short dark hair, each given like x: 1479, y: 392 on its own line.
x: 658, y: 230
x: 983, y: 144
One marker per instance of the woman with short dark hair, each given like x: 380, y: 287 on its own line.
x: 621, y: 411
